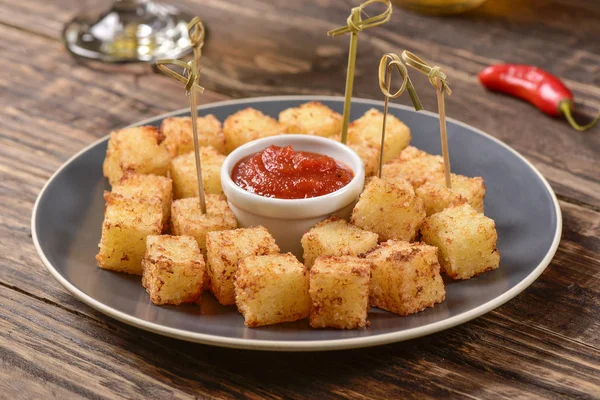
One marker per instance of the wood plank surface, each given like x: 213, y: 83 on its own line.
x: 86, y: 357
x: 544, y: 343
x: 287, y: 52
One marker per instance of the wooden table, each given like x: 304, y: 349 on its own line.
x: 544, y: 343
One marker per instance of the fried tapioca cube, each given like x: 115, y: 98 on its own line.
x: 413, y: 165
x: 436, y: 196
x: 178, y: 131
x: 140, y: 149
x: 369, y: 155
x: 127, y: 223
x: 390, y: 209
x: 367, y: 129
x: 336, y: 237
x: 339, y: 291
x: 223, y: 251
x: 141, y: 186
x: 466, y: 240
x: 183, y: 173
x: 173, y: 269
x: 272, y: 289
x: 405, y: 277
x: 312, y: 118
x: 188, y: 220
x: 247, y: 125
x: 410, y: 153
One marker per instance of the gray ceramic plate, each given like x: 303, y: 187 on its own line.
x: 67, y: 220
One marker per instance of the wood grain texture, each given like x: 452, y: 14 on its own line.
x: 544, y: 343
x: 280, y: 47
x: 90, y: 358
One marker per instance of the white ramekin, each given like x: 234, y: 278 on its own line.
x: 288, y: 219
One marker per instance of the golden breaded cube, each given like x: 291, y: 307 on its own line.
x: 405, y: 277
x: 466, y: 240
x: 147, y: 187
x: 369, y: 155
x: 339, y: 291
x: 336, y: 237
x: 436, y: 196
x: 173, y: 269
x: 410, y: 153
x: 413, y: 165
x: 313, y: 118
x: 390, y: 209
x: 223, y: 251
x: 367, y: 130
x: 187, y: 218
x: 272, y: 289
x: 178, y: 131
x: 183, y: 173
x: 140, y: 149
x: 247, y: 125
x: 127, y: 223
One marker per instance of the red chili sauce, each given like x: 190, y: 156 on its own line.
x: 283, y: 173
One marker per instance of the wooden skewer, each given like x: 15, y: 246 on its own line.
x: 355, y: 24
x: 438, y: 80
x: 443, y: 133
x: 350, y: 78
x: 192, y: 88
x: 196, y: 32
x: 194, y: 114
x: 388, y: 80
x: 385, y: 80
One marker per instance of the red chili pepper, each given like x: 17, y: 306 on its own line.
x: 534, y: 85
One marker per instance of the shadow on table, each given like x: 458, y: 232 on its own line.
x: 288, y: 374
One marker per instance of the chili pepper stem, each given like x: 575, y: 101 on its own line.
x: 565, y: 109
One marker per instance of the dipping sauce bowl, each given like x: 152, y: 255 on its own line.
x: 288, y: 219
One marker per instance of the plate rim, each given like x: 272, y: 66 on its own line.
x: 320, y: 345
